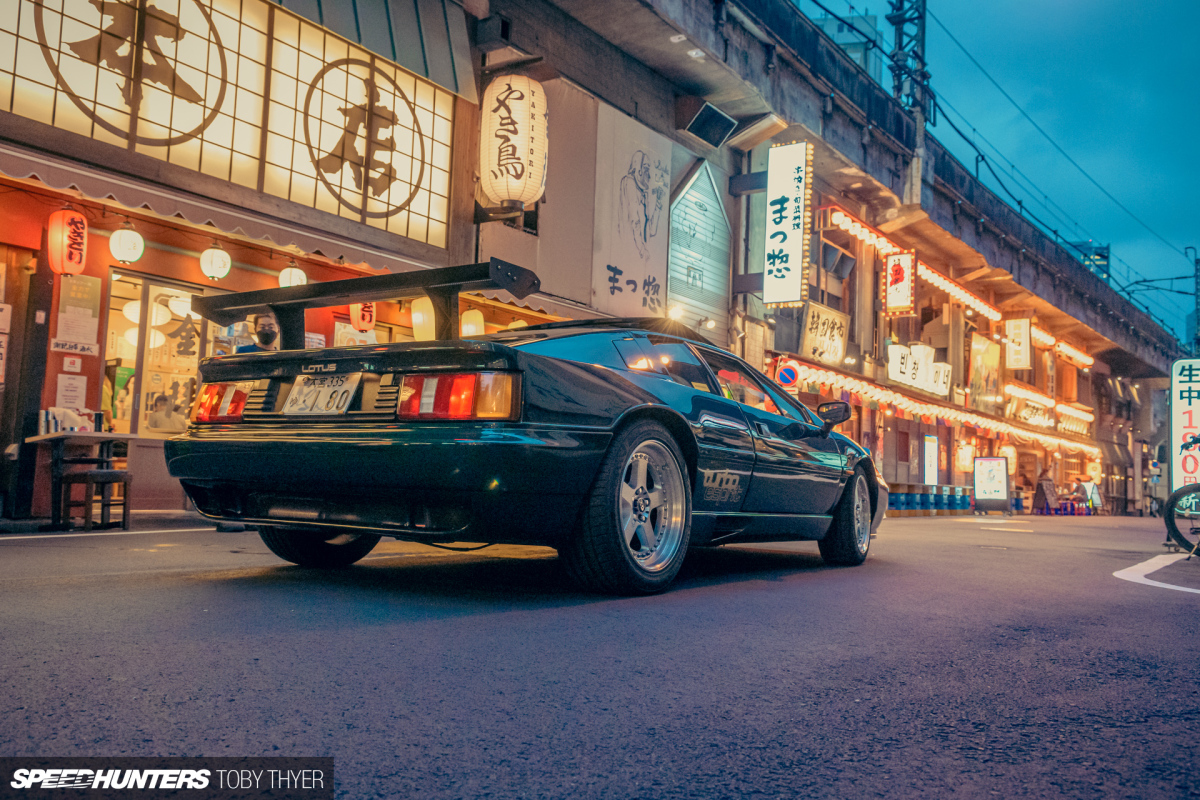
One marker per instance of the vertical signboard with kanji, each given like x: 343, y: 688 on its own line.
x: 1018, y: 350
x: 900, y: 284
x: 1184, y: 403
x: 788, y: 224
x: 823, y: 334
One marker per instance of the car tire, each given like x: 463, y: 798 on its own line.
x: 634, y: 531
x: 322, y: 549
x: 849, y: 538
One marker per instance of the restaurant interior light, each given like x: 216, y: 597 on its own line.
x: 423, y: 323
x: 471, y: 323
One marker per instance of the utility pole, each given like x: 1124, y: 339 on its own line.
x: 910, y: 80
x: 1196, y: 330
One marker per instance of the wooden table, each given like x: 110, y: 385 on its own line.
x: 58, y: 443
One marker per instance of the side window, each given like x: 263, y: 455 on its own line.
x: 681, y: 364
x: 739, y: 385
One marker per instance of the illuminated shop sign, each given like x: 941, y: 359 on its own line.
x: 900, y: 284
x: 1018, y: 350
x: 243, y: 91
x: 914, y: 366
x: 788, y: 224
x: 823, y: 334
x: 1184, y: 402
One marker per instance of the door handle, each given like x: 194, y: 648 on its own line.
x: 762, y: 429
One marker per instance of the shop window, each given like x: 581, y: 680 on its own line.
x: 344, y: 334
x: 153, y: 346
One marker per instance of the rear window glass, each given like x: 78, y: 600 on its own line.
x: 682, y: 365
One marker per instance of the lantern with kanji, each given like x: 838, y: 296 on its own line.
x: 66, y: 242
x: 362, y: 316
x: 512, y: 144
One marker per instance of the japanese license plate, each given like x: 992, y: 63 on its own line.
x: 322, y: 394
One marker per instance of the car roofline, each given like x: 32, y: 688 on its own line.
x: 662, y: 325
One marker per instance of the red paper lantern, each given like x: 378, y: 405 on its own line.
x: 66, y: 238
x: 362, y: 316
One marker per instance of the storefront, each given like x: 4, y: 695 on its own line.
x: 252, y: 148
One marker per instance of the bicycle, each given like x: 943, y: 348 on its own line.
x: 1182, y: 512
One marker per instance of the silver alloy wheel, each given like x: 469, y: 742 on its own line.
x: 862, y: 514
x: 650, y: 508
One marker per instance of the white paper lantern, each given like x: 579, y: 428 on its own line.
x: 512, y: 145
x: 215, y: 262
x: 471, y: 323
x: 182, y: 307
x: 423, y: 323
x: 292, y: 276
x: 126, y: 245
x: 362, y: 316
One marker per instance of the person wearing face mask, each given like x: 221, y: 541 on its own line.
x: 266, y: 330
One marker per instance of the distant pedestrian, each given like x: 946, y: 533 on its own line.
x: 266, y: 331
x: 1045, y: 496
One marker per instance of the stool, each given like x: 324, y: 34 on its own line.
x: 91, y: 479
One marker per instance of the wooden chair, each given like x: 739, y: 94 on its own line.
x: 91, y: 479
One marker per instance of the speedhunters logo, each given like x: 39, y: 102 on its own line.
x: 110, y: 779
x: 227, y: 778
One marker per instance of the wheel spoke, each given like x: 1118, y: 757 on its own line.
x: 627, y: 495
x: 631, y: 526
x: 646, y: 534
x: 656, y: 498
x: 639, y: 473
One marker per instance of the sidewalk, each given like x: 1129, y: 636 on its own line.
x: 145, y: 520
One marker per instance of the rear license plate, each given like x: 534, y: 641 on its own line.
x: 322, y: 394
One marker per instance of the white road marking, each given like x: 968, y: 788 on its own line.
x: 16, y: 537
x: 1009, y: 530
x: 1138, y: 572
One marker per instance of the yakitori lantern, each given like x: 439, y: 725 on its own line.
x: 66, y: 239
x: 362, y: 316
x: 512, y: 145
x: 126, y: 245
x: 215, y: 262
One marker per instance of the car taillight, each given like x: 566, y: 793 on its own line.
x: 471, y: 395
x: 221, y: 402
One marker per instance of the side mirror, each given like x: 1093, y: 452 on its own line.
x: 833, y: 414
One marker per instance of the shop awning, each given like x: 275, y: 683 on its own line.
x: 1117, y: 455
x: 65, y: 175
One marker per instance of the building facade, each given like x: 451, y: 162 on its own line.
x: 344, y: 138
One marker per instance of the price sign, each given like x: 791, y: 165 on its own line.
x: 1184, y: 402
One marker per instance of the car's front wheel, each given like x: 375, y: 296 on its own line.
x: 636, y: 525
x: 849, y: 538
x: 324, y: 549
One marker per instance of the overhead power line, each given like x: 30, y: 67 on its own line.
x: 1048, y: 138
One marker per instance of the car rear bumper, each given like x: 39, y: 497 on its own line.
x: 431, y: 482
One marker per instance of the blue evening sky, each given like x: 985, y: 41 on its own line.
x: 1114, y: 84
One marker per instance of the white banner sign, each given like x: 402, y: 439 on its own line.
x: 1184, y: 402
x: 1018, y: 351
x: 915, y: 367
x: 900, y: 284
x: 633, y: 184
x: 823, y: 334
x: 77, y: 348
x: 788, y: 224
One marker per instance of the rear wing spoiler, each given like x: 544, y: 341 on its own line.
x: 441, y: 285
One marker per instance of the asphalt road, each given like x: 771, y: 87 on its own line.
x: 969, y: 657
